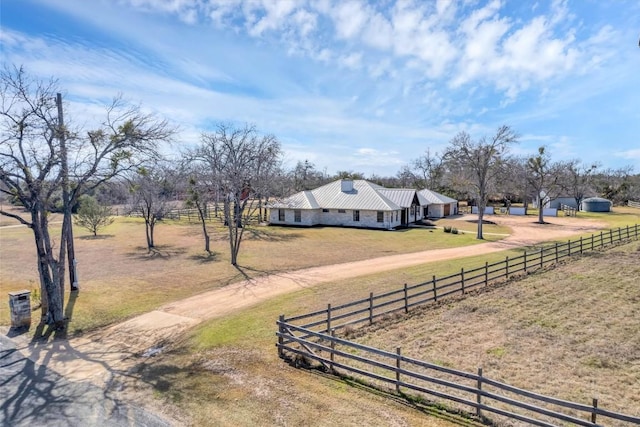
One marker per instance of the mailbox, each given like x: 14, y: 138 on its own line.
x: 20, y: 307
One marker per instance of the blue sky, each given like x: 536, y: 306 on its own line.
x: 351, y: 85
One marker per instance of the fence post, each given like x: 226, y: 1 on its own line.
x: 486, y: 273
x: 601, y: 239
x: 580, y: 244
x: 371, y: 308
x: 611, y: 236
x: 406, y: 299
x: 328, y: 317
x: 541, y: 257
x: 333, y: 347
x: 627, y: 231
x: 507, y: 268
x: 556, y: 252
x: 525, y: 261
x: 398, y: 355
x: 462, y: 279
x: 478, y: 395
x: 569, y: 247
x: 280, y: 339
x: 592, y: 241
x: 593, y: 413
x: 435, y: 294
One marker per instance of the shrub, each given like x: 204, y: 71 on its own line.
x: 447, y: 229
x: 454, y: 231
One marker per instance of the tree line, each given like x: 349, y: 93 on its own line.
x: 47, y: 164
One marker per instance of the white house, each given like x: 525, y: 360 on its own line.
x: 350, y: 203
x: 436, y: 205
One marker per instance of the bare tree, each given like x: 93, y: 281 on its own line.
x: 31, y: 165
x: 431, y: 170
x: 579, y: 179
x: 152, y: 193
x: 545, y: 178
x: 199, y: 196
x: 240, y: 162
x: 477, y: 164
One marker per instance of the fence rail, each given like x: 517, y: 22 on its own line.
x: 633, y: 204
x: 311, y: 337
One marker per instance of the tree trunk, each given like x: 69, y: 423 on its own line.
x: 149, y: 233
x: 48, y: 269
x: 540, y: 215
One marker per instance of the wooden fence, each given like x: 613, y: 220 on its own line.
x: 569, y: 210
x: 311, y: 337
x: 633, y: 204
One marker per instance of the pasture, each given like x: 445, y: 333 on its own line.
x: 227, y: 369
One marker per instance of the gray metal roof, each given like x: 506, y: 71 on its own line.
x: 402, y: 197
x: 365, y: 195
x: 301, y: 200
x: 435, y: 198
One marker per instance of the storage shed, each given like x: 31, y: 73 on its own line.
x: 595, y: 204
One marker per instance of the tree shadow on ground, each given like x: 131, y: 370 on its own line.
x: 205, y: 258
x: 98, y: 237
x: 266, y: 235
x: 157, y: 252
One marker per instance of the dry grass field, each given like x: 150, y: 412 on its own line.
x: 119, y: 278
x: 571, y: 332
x: 226, y: 371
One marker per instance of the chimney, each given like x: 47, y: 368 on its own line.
x: 346, y: 185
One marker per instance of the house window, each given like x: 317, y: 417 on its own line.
x: 281, y: 215
x: 325, y: 210
x: 341, y: 211
x: 356, y: 216
x: 297, y: 215
x: 380, y: 216
x: 396, y: 216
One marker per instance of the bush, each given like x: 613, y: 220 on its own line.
x: 447, y: 229
x: 454, y: 231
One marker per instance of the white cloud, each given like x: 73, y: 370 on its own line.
x: 352, y: 60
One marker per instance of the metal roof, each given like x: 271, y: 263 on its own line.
x: 436, y: 198
x: 403, y: 197
x: 365, y: 195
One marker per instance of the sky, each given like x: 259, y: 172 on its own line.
x: 350, y: 85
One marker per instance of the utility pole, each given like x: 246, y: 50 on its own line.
x: 67, y: 223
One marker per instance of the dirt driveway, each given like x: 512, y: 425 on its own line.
x: 104, y: 354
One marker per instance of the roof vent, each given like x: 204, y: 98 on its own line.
x: 346, y: 185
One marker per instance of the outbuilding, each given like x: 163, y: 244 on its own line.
x: 595, y: 204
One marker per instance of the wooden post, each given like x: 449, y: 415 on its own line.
x: 601, y: 239
x: 627, y: 231
x: 556, y: 252
x: 371, y: 308
x: 507, y: 268
x: 462, y: 279
x: 406, y: 299
x: 398, y: 353
x: 593, y: 414
x: 280, y: 339
x: 486, y: 273
x: 333, y: 347
x: 435, y: 294
x: 525, y: 261
x: 580, y: 244
x: 541, y: 257
x: 611, y: 235
x: 478, y: 395
x: 569, y: 247
x: 592, y: 241
x: 328, y: 317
